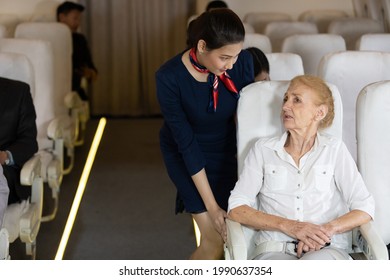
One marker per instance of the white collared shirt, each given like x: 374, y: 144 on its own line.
x: 324, y: 186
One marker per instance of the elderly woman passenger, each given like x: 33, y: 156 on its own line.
x: 310, y: 194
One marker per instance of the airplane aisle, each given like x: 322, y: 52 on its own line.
x: 127, y: 211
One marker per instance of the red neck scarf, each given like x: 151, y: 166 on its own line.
x: 214, y: 80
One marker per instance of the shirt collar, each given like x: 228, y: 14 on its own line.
x: 278, y: 145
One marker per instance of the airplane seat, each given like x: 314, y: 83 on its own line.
x: 258, y: 115
x: 22, y: 220
x: 374, y: 42
x: 259, y: 41
x: 68, y: 103
x: 353, y: 28
x: 372, y: 120
x: 51, y: 128
x: 312, y: 47
x: 278, y: 31
x: 321, y: 18
x: 249, y: 29
x: 350, y: 71
x: 45, y: 11
x: 259, y: 20
x: 8, y: 23
x: 284, y: 66
x: 4, y: 245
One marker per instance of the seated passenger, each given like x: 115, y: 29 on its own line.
x: 309, y: 190
x: 3, y: 195
x: 216, y: 4
x: 18, y: 134
x: 70, y: 13
x: 260, y: 64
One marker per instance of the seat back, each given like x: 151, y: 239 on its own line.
x: 374, y: 42
x: 312, y: 47
x: 353, y: 28
x: 60, y: 38
x: 284, y: 66
x: 278, y: 31
x: 373, y: 138
x: 8, y: 23
x: 322, y: 18
x: 259, y: 41
x: 350, y: 71
x: 40, y: 55
x: 259, y: 20
x: 259, y: 110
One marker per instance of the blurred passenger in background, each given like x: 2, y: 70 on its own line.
x: 260, y: 64
x: 70, y: 13
x: 217, y: 4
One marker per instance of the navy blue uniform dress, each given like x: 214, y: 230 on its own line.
x: 193, y: 138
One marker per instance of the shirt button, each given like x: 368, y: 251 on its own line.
x: 298, y: 208
x: 299, y: 185
x: 324, y: 172
x: 299, y: 172
x: 298, y: 197
x: 273, y: 171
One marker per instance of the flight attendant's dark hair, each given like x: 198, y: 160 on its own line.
x: 218, y: 28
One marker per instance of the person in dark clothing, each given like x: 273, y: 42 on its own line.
x: 18, y: 134
x: 70, y: 13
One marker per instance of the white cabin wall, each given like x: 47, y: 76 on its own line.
x: 292, y: 7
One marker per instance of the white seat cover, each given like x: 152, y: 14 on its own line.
x: 284, y: 66
x: 373, y: 136
x: 374, y: 42
x: 259, y: 41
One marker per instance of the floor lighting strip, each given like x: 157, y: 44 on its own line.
x: 80, y: 189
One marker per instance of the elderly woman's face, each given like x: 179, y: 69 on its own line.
x: 299, y: 110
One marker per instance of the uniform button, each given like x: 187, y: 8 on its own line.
x: 298, y: 208
x: 298, y: 197
x: 299, y: 185
x: 324, y: 172
x: 273, y: 171
x: 299, y: 172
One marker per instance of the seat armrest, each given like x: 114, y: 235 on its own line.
x: 371, y: 243
x: 72, y: 100
x: 4, y: 244
x: 30, y: 170
x: 236, y: 245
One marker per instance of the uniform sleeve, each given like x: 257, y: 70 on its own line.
x: 168, y: 94
x: 250, y: 180
x: 351, y: 184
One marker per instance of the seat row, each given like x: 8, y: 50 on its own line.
x: 312, y: 47
x: 39, y: 54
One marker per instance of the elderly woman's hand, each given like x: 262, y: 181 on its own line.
x: 312, y: 237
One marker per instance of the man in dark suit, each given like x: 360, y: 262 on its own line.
x: 18, y: 134
x: 70, y: 13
